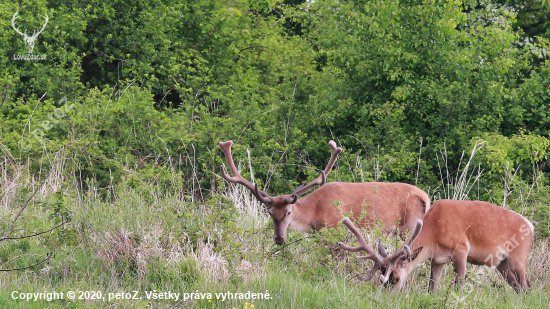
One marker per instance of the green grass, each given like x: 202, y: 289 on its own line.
x: 144, y: 239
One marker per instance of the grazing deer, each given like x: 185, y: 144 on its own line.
x: 477, y: 232
x: 396, y: 205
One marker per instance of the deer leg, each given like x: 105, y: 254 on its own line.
x: 521, y: 274
x: 459, y: 260
x: 515, y: 276
x: 436, y: 271
x: 508, y: 274
x: 523, y: 279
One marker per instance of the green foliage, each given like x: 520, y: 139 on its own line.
x: 129, y: 107
x: 165, y: 81
x: 400, y: 72
x: 502, y: 153
x: 532, y: 17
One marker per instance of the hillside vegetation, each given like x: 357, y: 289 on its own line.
x: 110, y: 144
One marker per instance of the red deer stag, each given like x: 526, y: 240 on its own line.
x: 396, y: 205
x: 477, y: 232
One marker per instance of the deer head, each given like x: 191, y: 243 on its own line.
x: 29, y: 40
x: 281, y: 206
x: 394, y: 266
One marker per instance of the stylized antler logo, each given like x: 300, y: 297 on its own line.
x: 29, y: 40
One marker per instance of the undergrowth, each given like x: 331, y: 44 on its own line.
x: 146, y: 238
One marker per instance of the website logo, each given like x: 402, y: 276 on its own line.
x: 28, y: 40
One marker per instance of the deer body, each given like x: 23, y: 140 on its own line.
x: 460, y: 232
x: 476, y: 232
x: 396, y: 205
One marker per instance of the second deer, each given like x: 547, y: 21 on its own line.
x: 454, y: 231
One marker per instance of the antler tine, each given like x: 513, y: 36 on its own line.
x: 406, y: 248
x: 319, y: 181
x: 381, y: 249
x: 44, y: 26
x: 362, y: 244
x: 416, y: 232
x: 333, y: 156
x: 237, y: 178
x: 13, y: 23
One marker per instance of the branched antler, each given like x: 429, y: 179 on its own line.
x: 404, y: 252
x: 29, y: 40
x: 407, y: 246
x: 319, y: 181
x: 13, y: 24
x: 362, y: 245
x: 237, y: 178
x: 35, y: 33
x: 264, y: 197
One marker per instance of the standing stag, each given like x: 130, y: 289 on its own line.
x: 477, y: 232
x: 396, y: 205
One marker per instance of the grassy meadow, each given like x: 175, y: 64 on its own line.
x: 146, y: 237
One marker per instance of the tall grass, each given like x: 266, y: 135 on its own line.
x: 459, y: 187
x: 142, y: 236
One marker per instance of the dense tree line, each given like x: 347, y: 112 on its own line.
x: 160, y: 83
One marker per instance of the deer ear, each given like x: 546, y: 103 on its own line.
x: 415, y: 254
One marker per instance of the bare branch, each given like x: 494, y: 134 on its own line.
x: 36, y: 264
x: 25, y: 206
x: 36, y: 234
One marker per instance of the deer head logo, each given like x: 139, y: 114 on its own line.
x: 29, y: 40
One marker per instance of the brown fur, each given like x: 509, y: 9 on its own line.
x: 396, y: 205
x: 467, y: 231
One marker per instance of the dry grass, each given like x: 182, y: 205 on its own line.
x: 212, y: 264
x: 141, y: 239
x: 125, y: 249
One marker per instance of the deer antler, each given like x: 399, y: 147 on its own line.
x: 319, y: 181
x: 237, y: 178
x: 44, y: 26
x: 404, y: 252
x: 361, y: 246
x: 407, y: 246
x: 13, y: 24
